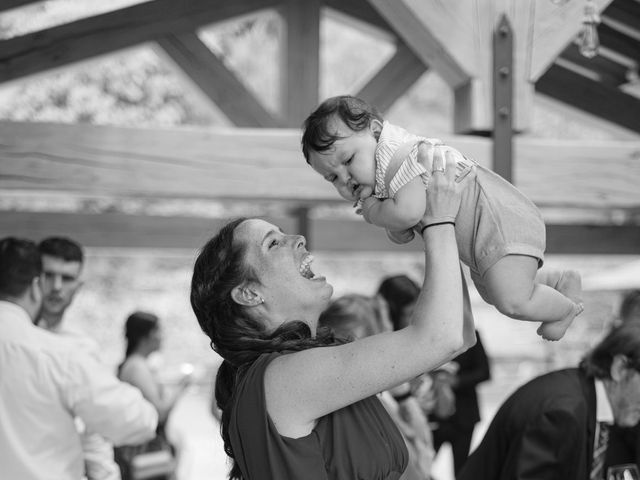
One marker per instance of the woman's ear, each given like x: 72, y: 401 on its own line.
x: 247, y: 296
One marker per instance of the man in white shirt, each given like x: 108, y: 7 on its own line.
x: 62, y: 264
x: 45, y: 383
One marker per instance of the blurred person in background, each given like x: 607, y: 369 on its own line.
x: 47, y: 382
x: 557, y: 425
x: 357, y: 316
x: 62, y: 264
x: 624, y: 441
x: 453, y: 406
x: 143, y: 337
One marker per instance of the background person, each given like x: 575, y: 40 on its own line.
x: 46, y: 383
x: 254, y: 294
x: 550, y: 427
x: 358, y: 316
x: 143, y: 337
x: 62, y: 264
x: 454, y: 412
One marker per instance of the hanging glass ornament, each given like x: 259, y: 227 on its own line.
x: 588, y: 40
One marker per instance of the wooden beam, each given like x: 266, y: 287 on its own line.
x: 300, y: 69
x: 180, y: 163
x: 9, y: 4
x: 626, y: 12
x: 593, y: 97
x: 409, y: 23
x: 118, y: 230
x: 393, y: 79
x: 619, y: 42
x: 360, y: 9
x: 216, y: 81
x: 503, y: 99
x: 253, y: 163
x: 593, y: 240
x: 83, y: 39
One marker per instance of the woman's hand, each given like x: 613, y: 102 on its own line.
x: 445, y: 191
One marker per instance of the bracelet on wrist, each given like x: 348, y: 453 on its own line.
x: 435, y: 225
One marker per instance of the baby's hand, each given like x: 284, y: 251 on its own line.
x: 367, y: 206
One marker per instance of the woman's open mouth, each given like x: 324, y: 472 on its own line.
x: 305, y: 267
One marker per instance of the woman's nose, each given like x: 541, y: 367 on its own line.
x: 299, y: 241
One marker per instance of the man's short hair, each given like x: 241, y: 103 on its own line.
x: 20, y: 263
x: 63, y: 248
x: 622, y: 340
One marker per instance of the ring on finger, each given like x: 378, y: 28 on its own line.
x: 440, y: 169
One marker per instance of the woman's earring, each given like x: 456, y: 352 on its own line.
x: 260, y: 300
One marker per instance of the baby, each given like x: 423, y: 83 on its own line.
x: 499, y: 232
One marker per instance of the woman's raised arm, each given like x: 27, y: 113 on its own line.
x: 304, y: 386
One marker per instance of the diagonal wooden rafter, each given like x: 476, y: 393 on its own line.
x: 626, y: 12
x: 216, y: 81
x: 393, y: 79
x: 361, y: 10
x: 593, y: 97
x: 101, y: 34
x: 408, y: 24
x: 9, y: 4
x: 619, y: 42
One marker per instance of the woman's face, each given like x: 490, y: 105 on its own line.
x: 281, y: 264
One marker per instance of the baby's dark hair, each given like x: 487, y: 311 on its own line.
x: 354, y: 112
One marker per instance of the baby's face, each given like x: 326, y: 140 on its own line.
x: 350, y: 163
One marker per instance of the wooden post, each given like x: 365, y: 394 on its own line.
x: 301, y: 60
x: 503, y: 99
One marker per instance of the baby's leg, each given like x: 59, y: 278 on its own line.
x: 511, y: 285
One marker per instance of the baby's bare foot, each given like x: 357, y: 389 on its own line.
x: 556, y: 330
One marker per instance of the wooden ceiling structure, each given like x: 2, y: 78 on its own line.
x: 495, y: 55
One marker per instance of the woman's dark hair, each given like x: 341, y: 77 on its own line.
x: 138, y: 326
x: 622, y: 340
x: 235, y: 335
x: 355, y: 113
x: 398, y: 291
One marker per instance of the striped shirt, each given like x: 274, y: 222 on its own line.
x: 393, y: 137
